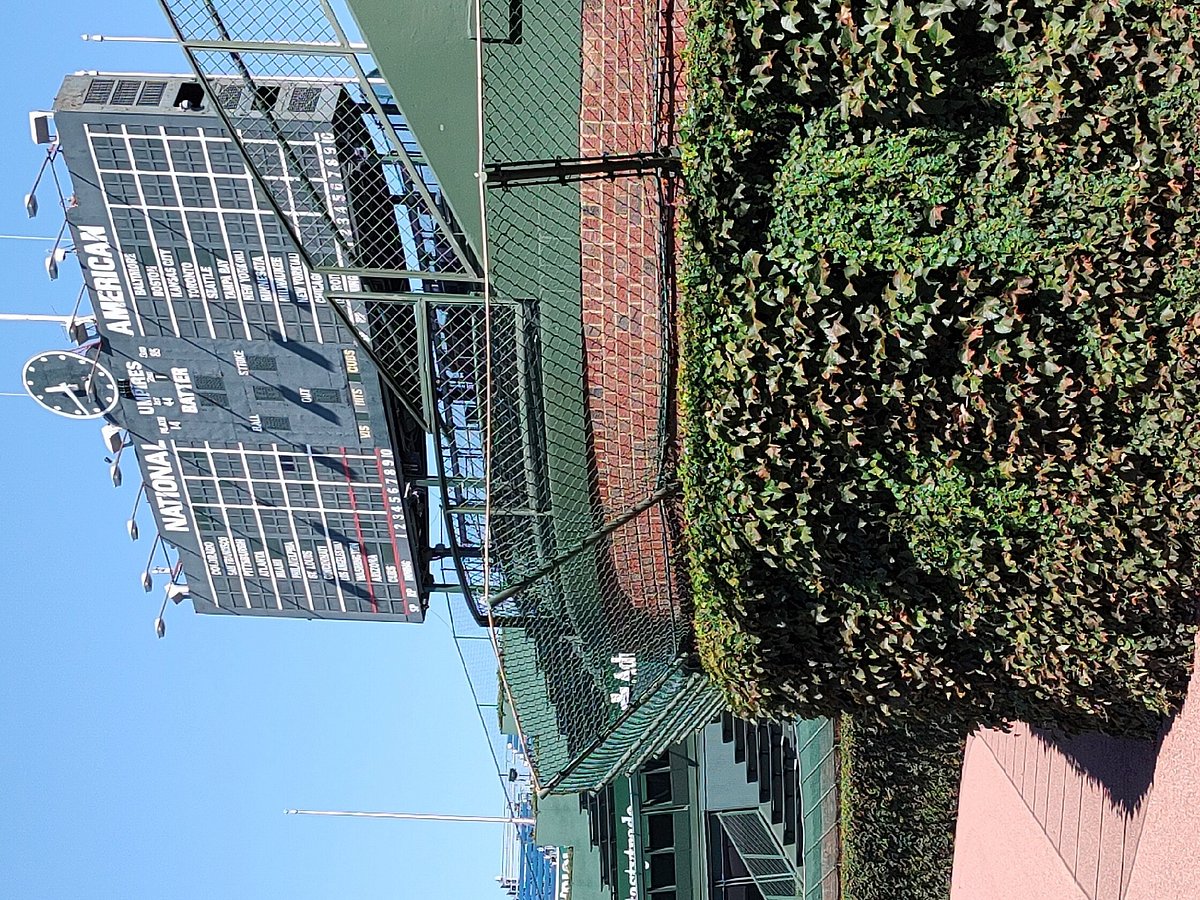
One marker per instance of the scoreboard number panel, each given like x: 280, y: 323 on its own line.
x: 70, y: 384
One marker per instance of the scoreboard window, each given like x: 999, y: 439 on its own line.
x: 310, y: 160
x: 234, y: 492
x: 227, y: 465
x: 193, y: 462
x: 301, y: 493
x: 196, y: 192
x: 111, y: 153
x: 276, y: 423
x: 208, y: 520
x: 266, y: 157
x: 120, y: 188
x: 234, y: 193
x: 99, y: 90
x: 224, y: 159
x: 276, y: 521
x: 188, y: 156
x: 274, y: 236
x: 167, y: 225
x: 267, y: 392
x: 268, y: 493
x: 328, y: 395
x: 203, y: 490
x: 261, y: 363
x: 242, y: 229
x: 130, y: 224
x: 158, y: 190
x: 208, y: 382
x: 242, y: 522
x: 261, y: 465
x: 205, y: 228
x: 149, y: 155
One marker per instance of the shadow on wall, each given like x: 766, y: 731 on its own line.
x: 1088, y: 794
x: 1123, y: 768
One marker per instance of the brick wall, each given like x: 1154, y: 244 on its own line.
x: 630, y: 48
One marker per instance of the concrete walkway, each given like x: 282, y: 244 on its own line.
x: 1088, y: 818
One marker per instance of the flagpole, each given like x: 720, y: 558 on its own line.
x: 435, y: 817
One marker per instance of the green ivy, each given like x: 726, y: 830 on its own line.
x: 941, y: 306
x: 899, y: 802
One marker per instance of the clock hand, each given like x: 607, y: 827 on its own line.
x: 68, y: 389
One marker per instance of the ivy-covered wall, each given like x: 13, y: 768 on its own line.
x: 942, y: 321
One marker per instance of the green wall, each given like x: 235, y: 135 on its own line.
x: 426, y: 52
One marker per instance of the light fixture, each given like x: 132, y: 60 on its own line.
x: 147, y: 575
x: 132, y: 525
x: 111, y: 435
x: 31, y: 203
x: 175, y: 593
x: 39, y: 127
x: 57, y: 255
x: 115, y: 469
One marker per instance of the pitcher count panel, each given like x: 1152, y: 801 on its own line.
x: 260, y: 424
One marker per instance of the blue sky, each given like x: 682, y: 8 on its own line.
x: 137, y: 768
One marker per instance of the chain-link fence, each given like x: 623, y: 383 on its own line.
x: 538, y: 356
x: 578, y: 103
x: 362, y: 200
x: 816, y: 743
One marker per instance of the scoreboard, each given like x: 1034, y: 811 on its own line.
x: 261, y: 428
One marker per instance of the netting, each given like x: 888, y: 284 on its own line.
x: 816, y: 742
x: 541, y: 365
x: 595, y: 671
x: 359, y: 198
x: 257, y: 21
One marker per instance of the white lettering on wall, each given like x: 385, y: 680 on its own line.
x: 110, y: 298
x: 164, y: 486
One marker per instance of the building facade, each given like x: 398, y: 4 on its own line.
x: 737, y: 811
x: 276, y: 462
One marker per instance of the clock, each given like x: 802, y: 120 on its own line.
x: 70, y: 384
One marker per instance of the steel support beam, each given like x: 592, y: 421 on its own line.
x: 522, y: 173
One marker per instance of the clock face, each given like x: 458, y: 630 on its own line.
x: 70, y: 385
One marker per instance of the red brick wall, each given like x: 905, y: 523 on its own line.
x: 626, y: 47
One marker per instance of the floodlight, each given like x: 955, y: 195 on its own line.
x: 39, y: 127
x: 112, y: 437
